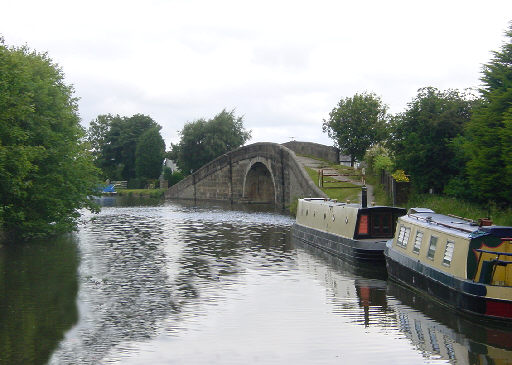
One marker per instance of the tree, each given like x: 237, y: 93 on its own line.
x: 149, y: 154
x: 172, y: 177
x: 421, y: 137
x: 356, y: 124
x: 97, y: 133
x: 115, y: 140
x: 489, y: 133
x: 377, y: 158
x: 202, y: 141
x: 46, y: 170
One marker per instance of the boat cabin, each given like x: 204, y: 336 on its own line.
x: 456, y: 246
x: 348, y: 220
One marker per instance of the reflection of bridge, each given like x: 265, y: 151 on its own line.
x: 257, y: 173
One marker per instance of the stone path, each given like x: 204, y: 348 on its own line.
x: 317, y: 165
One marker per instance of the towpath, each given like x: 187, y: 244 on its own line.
x: 317, y: 165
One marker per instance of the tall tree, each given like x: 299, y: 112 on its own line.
x: 202, y: 141
x: 46, y: 170
x: 489, y: 133
x: 117, y: 157
x: 422, y: 135
x: 149, y: 154
x: 357, y: 123
x: 97, y: 133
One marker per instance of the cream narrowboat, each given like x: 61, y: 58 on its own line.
x: 461, y: 263
x: 350, y: 231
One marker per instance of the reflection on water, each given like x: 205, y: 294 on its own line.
x: 146, y: 270
x: 179, y: 283
x: 38, y: 288
x: 358, y: 292
x: 435, y: 331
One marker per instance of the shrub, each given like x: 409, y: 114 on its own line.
x: 400, y: 176
x: 382, y: 163
x: 377, y: 159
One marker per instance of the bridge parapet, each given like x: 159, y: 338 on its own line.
x: 260, y: 172
x: 317, y: 150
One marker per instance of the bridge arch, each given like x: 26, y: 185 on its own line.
x: 260, y: 172
x: 259, y: 184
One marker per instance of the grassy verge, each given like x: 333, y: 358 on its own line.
x: 438, y: 203
x: 342, y: 192
x: 151, y: 193
x: 461, y: 208
x: 379, y: 194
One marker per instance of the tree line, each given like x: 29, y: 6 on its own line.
x: 132, y: 148
x: 127, y: 148
x: 452, y: 142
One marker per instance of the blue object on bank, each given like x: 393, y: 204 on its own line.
x: 109, y: 189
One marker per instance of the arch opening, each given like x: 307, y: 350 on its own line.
x: 259, y: 185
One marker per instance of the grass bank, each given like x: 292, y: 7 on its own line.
x: 438, y: 203
x: 341, y: 192
x: 448, y: 205
x: 150, y: 193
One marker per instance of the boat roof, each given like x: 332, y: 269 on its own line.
x: 444, y: 223
x: 334, y: 202
x: 498, y: 231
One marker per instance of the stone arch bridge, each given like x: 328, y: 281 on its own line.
x: 257, y: 173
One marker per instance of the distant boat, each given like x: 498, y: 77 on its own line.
x: 108, y: 190
x: 350, y: 231
x: 458, y: 262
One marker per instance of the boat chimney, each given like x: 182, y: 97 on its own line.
x: 364, y: 197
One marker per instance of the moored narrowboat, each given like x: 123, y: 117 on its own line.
x: 350, y: 231
x: 461, y: 263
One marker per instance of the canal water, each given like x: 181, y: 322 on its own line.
x: 182, y: 284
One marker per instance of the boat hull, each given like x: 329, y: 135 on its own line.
x: 345, y: 248
x: 464, y: 295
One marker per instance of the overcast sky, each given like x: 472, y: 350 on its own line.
x: 283, y: 65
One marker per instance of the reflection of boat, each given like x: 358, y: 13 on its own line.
x: 348, y: 281
x: 354, y: 269
x: 454, y: 260
x: 360, y: 295
x: 436, y: 331
x: 350, y: 231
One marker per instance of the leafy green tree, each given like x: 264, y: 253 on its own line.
x: 202, y: 141
x: 377, y: 158
x: 97, y: 133
x: 119, y: 144
x: 149, y: 154
x: 489, y: 133
x: 356, y: 124
x: 46, y: 170
x: 422, y: 135
x: 172, y: 177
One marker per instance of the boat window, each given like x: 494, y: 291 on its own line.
x: 417, y: 242
x: 403, y: 236
x: 448, y: 253
x: 432, y: 247
x: 382, y: 224
x: 363, y: 224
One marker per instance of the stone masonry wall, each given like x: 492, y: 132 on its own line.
x: 224, y: 178
x: 329, y: 153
